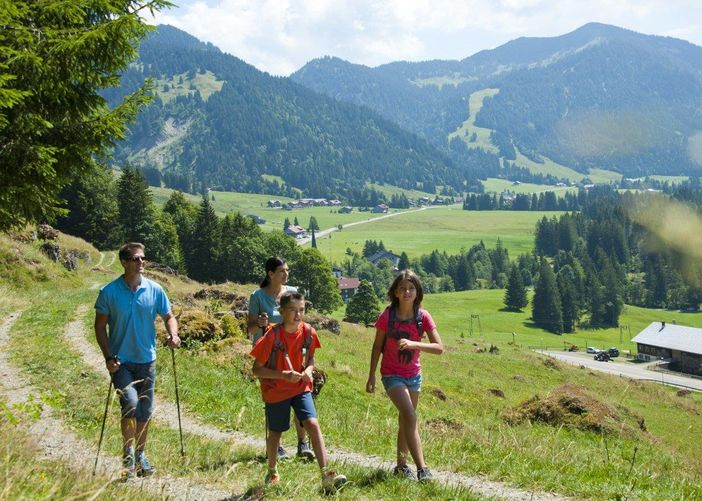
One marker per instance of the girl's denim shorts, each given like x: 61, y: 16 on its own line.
x: 413, y: 383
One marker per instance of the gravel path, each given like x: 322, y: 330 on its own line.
x: 57, y: 442
x: 167, y: 413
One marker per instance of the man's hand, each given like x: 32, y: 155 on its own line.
x: 112, y: 364
x: 173, y: 341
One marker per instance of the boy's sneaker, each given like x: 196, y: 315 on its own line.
x: 272, y: 477
x: 128, y: 468
x: 424, y: 474
x: 304, y: 451
x: 404, y: 471
x: 282, y: 454
x: 331, y: 481
x: 143, y: 468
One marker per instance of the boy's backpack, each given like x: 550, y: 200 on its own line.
x: 278, y: 345
x: 392, y: 316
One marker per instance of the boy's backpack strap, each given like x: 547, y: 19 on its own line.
x: 307, y: 342
x: 277, y: 346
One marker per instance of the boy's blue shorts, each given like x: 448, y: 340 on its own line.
x: 278, y: 414
x: 413, y: 383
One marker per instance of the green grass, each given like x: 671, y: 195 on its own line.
x: 445, y: 228
x: 206, y: 83
x: 388, y: 191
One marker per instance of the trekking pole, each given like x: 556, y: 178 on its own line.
x: 102, y: 431
x: 180, y: 426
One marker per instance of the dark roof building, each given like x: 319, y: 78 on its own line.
x: 348, y: 286
x: 385, y: 254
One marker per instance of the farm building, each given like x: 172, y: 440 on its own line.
x: 348, y: 286
x: 384, y: 254
x: 680, y: 344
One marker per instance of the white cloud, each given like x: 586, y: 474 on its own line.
x: 280, y: 36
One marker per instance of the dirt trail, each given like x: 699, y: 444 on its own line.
x: 167, y: 412
x: 57, y: 442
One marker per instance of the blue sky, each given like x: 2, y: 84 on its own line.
x: 280, y: 36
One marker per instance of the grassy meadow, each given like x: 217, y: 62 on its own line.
x: 447, y: 229
x: 645, y: 446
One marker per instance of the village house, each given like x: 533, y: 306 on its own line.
x: 274, y: 204
x: 380, y: 209
x: 348, y: 286
x: 679, y: 344
x: 345, y: 210
x: 296, y: 231
x: 385, y: 254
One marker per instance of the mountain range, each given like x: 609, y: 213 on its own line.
x: 600, y: 97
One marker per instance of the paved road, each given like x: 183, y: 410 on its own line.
x: 323, y: 233
x: 621, y: 367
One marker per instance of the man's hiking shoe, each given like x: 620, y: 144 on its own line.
x: 282, y: 454
x: 143, y: 468
x: 404, y: 471
x: 331, y: 481
x: 272, y: 477
x: 304, y: 451
x: 128, y: 469
x: 424, y: 475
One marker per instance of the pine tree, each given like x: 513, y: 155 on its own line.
x: 137, y: 213
x: 516, y: 294
x: 546, y: 304
x: 314, y: 241
x: 313, y: 224
x: 569, y: 298
x: 56, y: 57
x: 313, y: 274
x: 286, y: 223
x: 363, y: 307
x: 204, y: 259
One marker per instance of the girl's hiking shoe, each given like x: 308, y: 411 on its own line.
x: 304, y: 451
x: 143, y: 468
x: 282, y: 454
x: 424, y: 475
x: 272, y: 477
x: 331, y: 481
x: 404, y: 471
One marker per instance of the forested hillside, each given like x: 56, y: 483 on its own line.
x: 600, y: 96
x: 219, y: 123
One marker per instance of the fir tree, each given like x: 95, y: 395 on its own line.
x: 203, y: 264
x: 516, y: 294
x: 363, y: 307
x: 546, y: 305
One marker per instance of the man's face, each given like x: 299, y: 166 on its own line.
x: 293, y: 312
x: 135, y: 263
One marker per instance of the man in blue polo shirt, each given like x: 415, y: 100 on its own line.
x: 129, y: 306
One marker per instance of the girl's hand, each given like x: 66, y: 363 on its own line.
x: 370, y: 385
x: 406, y: 344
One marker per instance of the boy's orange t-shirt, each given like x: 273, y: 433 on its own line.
x: 277, y: 390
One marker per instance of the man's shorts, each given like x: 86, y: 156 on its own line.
x: 278, y: 414
x: 135, y: 385
x: 413, y: 383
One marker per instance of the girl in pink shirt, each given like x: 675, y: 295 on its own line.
x: 398, y: 336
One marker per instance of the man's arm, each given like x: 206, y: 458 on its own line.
x: 172, y: 328
x: 111, y: 361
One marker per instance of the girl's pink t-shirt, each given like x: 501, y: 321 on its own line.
x: 396, y: 362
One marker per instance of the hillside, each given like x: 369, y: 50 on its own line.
x: 219, y: 123
x: 479, y: 417
x: 600, y: 96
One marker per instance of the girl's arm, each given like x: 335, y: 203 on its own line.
x: 375, y: 356
x: 434, y: 346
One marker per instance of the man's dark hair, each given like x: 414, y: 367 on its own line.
x: 127, y: 250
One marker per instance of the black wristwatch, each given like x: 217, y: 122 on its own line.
x: 111, y: 357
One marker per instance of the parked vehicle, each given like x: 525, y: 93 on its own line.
x: 592, y: 349
x: 602, y: 356
x: 613, y: 352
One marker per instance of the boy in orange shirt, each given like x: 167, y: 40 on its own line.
x: 284, y: 359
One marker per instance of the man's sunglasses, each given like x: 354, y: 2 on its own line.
x: 137, y: 259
